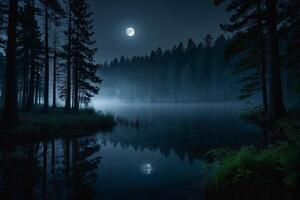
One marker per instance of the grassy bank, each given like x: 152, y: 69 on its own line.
x: 37, y: 124
x: 253, y: 174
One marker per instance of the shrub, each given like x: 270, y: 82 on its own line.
x: 248, y: 174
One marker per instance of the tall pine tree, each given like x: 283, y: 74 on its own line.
x: 79, y: 52
x: 54, y: 6
x: 10, y: 113
x: 248, y: 46
x: 85, y: 81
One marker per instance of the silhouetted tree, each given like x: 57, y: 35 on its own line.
x: 292, y: 30
x: 29, y: 52
x: 3, y: 29
x: 36, y: 51
x: 80, y: 56
x: 10, y: 113
x: 276, y: 106
x: 57, y: 54
x: 55, y: 6
x: 248, y: 46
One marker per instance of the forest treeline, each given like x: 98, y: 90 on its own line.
x: 46, y: 50
x: 263, y: 44
x: 262, y: 51
x: 191, y: 73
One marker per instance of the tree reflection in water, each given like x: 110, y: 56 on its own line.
x: 50, y: 169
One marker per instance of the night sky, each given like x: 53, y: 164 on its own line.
x: 158, y: 23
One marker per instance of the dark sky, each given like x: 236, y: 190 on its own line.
x: 158, y: 23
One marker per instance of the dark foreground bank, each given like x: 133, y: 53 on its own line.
x: 38, y: 125
x: 272, y: 172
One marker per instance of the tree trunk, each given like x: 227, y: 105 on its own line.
x: 46, y: 90
x: 76, y: 80
x: 32, y: 67
x: 54, y: 75
x: 263, y: 60
x: 276, y: 106
x: 68, y: 89
x: 25, y: 80
x: 31, y: 86
x: 37, y: 80
x: 10, y: 113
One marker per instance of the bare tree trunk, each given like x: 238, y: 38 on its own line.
x: 10, y: 113
x: 263, y: 59
x: 68, y: 97
x: 46, y: 89
x: 32, y: 68
x: 276, y: 106
x: 37, y: 80
x: 25, y: 84
x: 54, y: 74
x: 76, y: 88
x: 31, y: 86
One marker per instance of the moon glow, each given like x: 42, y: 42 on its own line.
x: 130, y: 32
x: 147, y: 168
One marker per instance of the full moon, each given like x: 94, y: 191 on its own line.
x: 130, y: 32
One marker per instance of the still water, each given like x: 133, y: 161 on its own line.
x: 154, y: 154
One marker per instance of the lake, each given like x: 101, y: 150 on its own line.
x: 154, y: 153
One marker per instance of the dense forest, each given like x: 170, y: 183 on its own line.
x: 195, y: 73
x: 261, y: 51
x: 224, y: 69
x: 48, y: 50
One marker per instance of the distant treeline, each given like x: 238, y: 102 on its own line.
x: 192, y: 73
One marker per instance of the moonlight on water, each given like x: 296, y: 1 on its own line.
x: 130, y: 32
x: 150, y: 99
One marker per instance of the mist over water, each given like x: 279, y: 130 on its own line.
x: 160, y: 158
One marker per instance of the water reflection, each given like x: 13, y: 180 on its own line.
x: 160, y: 160
x: 147, y: 168
x: 50, y: 170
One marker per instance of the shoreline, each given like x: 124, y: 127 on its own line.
x: 36, y: 125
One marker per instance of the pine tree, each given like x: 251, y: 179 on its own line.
x: 2, y: 24
x: 85, y: 80
x: 292, y: 29
x: 79, y: 53
x: 23, y: 43
x: 2, y: 65
x: 54, y: 6
x: 248, y: 46
x: 3, y: 32
x: 55, y: 41
x: 36, y: 52
x: 57, y: 54
x: 276, y: 106
x: 29, y: 52
x: 10, y: 113
x: 67, y: 48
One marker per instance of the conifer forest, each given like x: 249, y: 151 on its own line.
x: 150, y: 99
